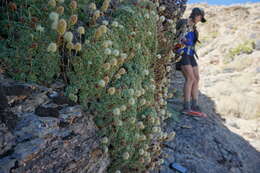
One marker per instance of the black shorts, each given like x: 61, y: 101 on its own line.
x: 186, y: 60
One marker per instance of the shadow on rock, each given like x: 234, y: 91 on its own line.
x: 206, y: 145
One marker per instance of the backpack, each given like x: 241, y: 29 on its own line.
x: 181, y: 31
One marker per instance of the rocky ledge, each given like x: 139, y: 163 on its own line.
x: 42, y: 131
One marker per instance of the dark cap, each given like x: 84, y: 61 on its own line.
x: 199, y: 11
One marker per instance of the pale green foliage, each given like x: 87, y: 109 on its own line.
x: 83, y: 70
x: 24, y: 52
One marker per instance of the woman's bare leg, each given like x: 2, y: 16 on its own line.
x: 189, y: 80
x: 195, y: 86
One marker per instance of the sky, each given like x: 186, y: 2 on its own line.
x: 222, y: 2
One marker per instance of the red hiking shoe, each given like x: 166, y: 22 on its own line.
x: 197, y: 113
x: 194, y: 113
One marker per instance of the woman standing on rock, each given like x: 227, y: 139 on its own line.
x: 188, y: 37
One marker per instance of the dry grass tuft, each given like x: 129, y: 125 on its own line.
x: 239, y: 105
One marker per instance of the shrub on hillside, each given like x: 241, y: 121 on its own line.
x: 244, y: 48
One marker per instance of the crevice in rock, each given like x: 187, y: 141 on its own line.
x: 7, y: 153
x: 47, y: 112
x: 69, y: 136
x: 168, y: 146
x: 16, y: 165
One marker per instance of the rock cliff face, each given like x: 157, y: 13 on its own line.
x: 41, y: 131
